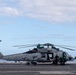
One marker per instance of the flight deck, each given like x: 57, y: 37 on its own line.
x: 39, y: 69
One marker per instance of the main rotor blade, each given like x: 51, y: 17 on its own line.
x: 25, y: 46
x: 46, y: 44
x: 68, y: 48
x: 18, y: 45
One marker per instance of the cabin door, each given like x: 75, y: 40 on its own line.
x: 49, y: 56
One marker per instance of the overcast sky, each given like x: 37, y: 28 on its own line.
x: 37, y: 21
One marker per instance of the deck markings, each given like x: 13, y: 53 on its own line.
x: 41, y: 72
x: 56, y: 72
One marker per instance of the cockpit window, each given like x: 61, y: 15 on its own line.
x: 31, y: 51
x: 39, y: 46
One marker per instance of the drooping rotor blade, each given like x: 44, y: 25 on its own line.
x: 62, y: 46
x: 31, y: 45
x: 46, y: 44
x: 25, y: 46
x: 67, y: 48
x: 18, y: 45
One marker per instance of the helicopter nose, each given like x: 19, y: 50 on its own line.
x: 70, y: 58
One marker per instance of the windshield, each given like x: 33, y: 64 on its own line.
x: 31, y: 51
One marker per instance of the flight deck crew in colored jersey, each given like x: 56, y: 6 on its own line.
x: 56, y: 60
x: 63, y: 58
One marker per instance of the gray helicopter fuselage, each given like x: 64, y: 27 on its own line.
x: 21, y: 57
x: 42, y: 55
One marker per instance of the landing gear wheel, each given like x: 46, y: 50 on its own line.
x: 34, y: 63
x: 62, y: 62
x: 55, y: 62
x: 28, y: 63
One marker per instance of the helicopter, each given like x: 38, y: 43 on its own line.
x: 41, y: 53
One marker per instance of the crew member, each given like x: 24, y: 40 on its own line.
x: 56, y: 60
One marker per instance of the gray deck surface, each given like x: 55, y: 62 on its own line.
x: 40, y: 69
